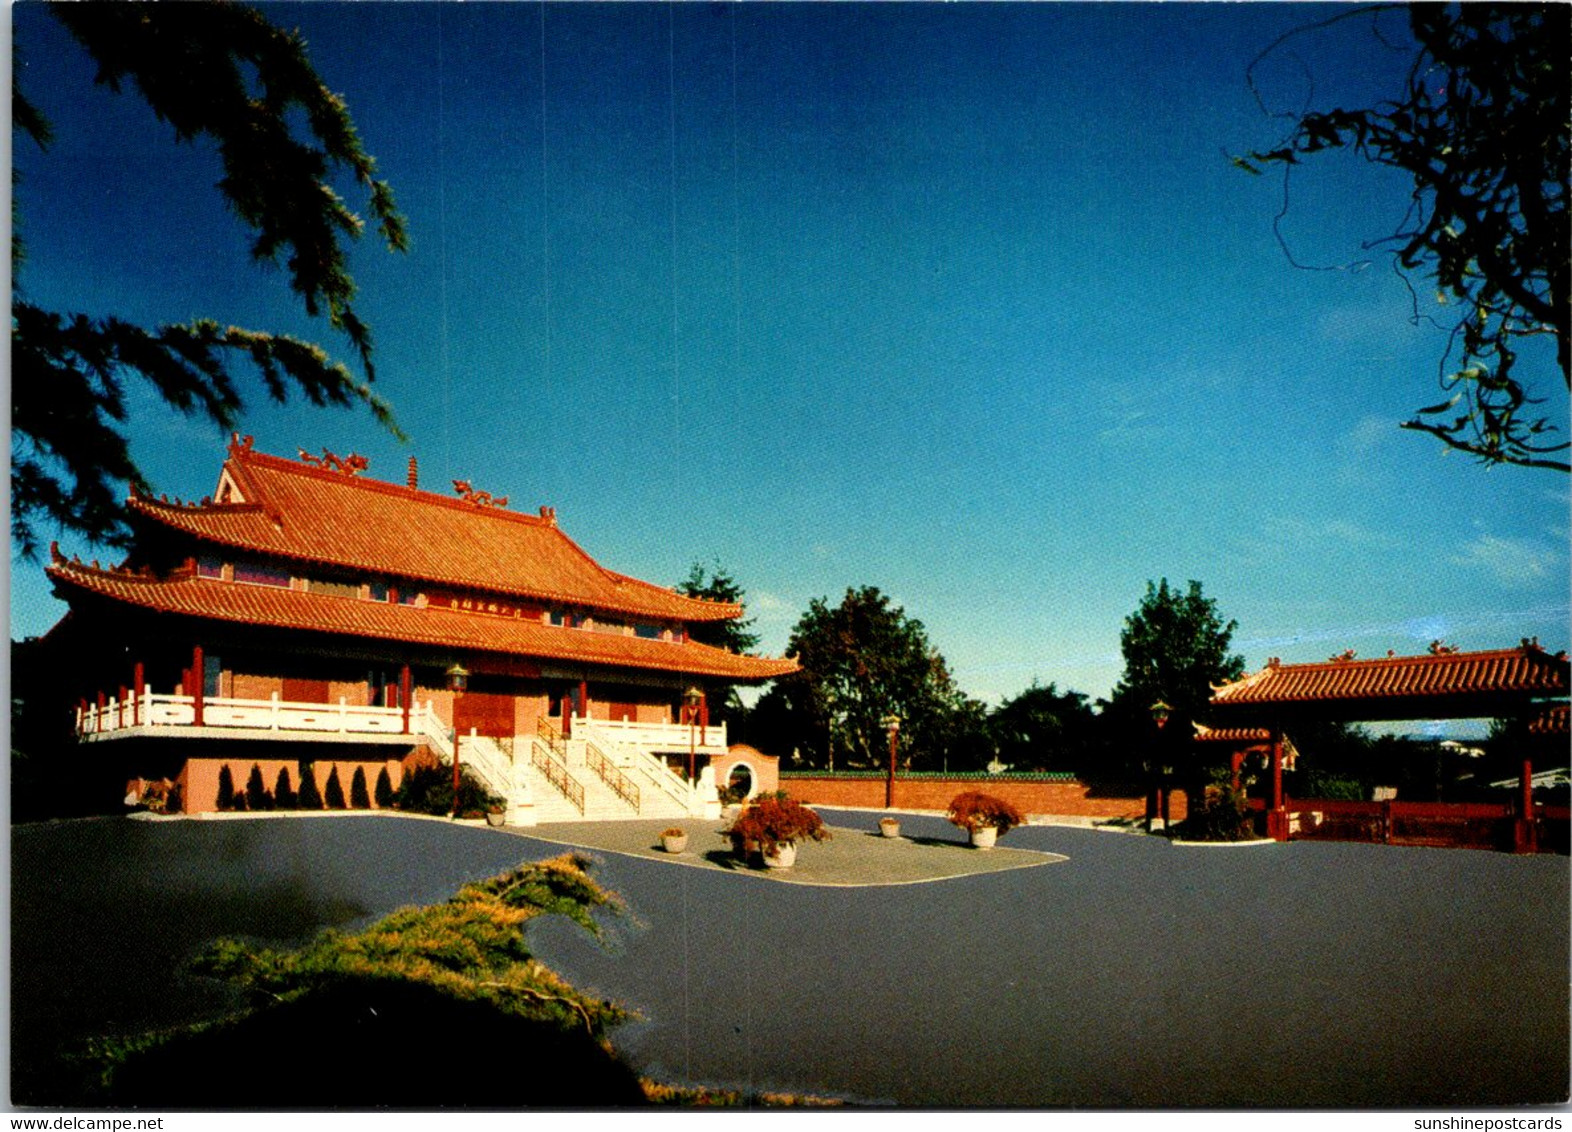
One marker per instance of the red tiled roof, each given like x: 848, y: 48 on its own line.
x: 1526, y: 671
x: 1552, y: 722
x: 306, y: 513
x: 1205, y: 734
x: 436, y: 626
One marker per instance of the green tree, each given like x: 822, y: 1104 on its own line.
x: 861, y: 661
x: 1175, y: 648
x: 220, y: 72
x: 735, y: 635
x: 1043, y: 728
x: 717, y: 584
x: 1480, y: 127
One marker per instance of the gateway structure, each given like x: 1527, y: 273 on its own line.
x: 310, y: 620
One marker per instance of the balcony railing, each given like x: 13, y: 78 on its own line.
x: 156, y: 711
x: 655, y: 736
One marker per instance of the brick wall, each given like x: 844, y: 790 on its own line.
x: 1061, y: 798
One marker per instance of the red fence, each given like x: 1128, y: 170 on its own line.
x: 1468, y: 825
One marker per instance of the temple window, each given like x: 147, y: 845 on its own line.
x: 648, y: 632
x: 210, y: 566
x: 261, y: 575
x: 377, y: 591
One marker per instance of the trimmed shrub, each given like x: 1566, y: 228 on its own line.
x: 333, y: 796
x: 384, y: 790
x: 359, y: 797
x: 428, y: 789
x: 226, y: 788
x: 1224, y: 814
x: 257, y: 797
x: 283, y: 792
x: 310, y: 798
x: 773, y: 821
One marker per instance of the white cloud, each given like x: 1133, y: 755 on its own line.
x: 1514, y: 562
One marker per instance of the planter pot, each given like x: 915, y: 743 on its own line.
x: 889, y: 827
x: 677, y: 844
x: 783, y: 858
x: 497, y: 818
x: 984, y: 837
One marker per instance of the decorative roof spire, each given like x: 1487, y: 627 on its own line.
x: 413, y: 478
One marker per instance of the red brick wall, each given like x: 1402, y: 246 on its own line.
x: 199, y: 778
x: 1069, y: 799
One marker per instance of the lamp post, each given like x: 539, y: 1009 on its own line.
x: 892, y: 724
x: 691, y: 699
x: 458, y: 680
x: 1157, y: 806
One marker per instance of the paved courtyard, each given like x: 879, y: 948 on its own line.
x: 854, y: 856
x: 1129, y: 972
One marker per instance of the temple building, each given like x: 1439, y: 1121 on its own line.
x: 310, y: 619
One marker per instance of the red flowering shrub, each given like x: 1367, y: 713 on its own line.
x: 973, y: 811
x: 773, y: 821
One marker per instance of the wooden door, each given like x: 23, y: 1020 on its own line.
x: 489, y: 713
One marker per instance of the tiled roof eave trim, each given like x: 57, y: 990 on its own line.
x: 177, y: 518
x: 694, y: 659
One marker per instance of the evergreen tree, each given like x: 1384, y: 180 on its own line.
x: 283, y: 793
x: 226, y: 788
x: 359, y: 797
x: 333, y: 795
x: 384, y: 790
x: 221, y: 73
x: 310, y: 798
x: 257, y: 797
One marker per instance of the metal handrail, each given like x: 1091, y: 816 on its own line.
x: 552, y: 738
x: 557, y: 774
x: 623, y: 786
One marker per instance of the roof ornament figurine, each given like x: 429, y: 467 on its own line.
x: 1437, y: 648
x: 478, y: 498
x: 1342, y: 657
x: 241, y: 443
x: 351, y: 465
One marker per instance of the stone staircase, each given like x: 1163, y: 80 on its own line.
x: 546, y: 778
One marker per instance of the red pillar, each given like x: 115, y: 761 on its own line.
x: 704, y: 718
x: 1236, y: 764
x: 1277, y: 818
x: 405, y: 694
x: 100, y: 726
x: 81, y: 717
x: 120, y: 709
x: 1524, y: 834
x: 584, y: 698
x: 198, y: 681
x: 139, y: 683
x: 567, y: 717
x: 889, y: 783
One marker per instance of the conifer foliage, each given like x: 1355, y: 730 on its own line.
x: 221, y: 73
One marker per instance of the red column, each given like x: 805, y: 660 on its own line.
x: 1277, y: 819
x: 100, y: 726
x: 1525, y: 835
x: 405, y: 694
x: 567, y: 717
x: 1235, y: 765
x: 584, y: 698
x: 704, y: 718
x: 139, y: 683
x: 198, y: 680
x: 81, y: 717
x: 889, y: 783
x: 120, y: 709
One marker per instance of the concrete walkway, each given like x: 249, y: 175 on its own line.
x: 852, y: 858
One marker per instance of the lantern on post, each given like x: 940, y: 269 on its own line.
x: 1157, y: 799
x: 458, y: 681
x: 892, y: 724
x: 691, y: 700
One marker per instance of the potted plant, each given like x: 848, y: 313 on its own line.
x: 775, y: 826
x: 985, y: 817
x: 889, y: 827
x: 496, y: 814
x: 674, y: 840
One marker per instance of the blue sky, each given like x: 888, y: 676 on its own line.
x: 961, y: 301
